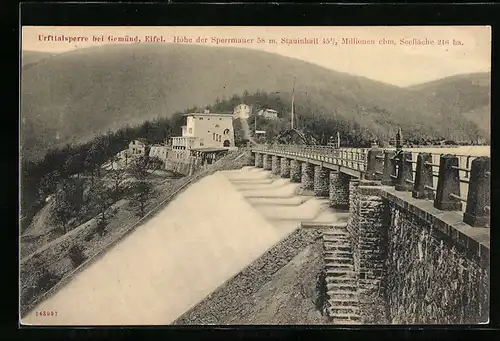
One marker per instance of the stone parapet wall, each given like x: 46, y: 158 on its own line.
x: 415, y: 264
x: 295, y: 171
x: 430, y: 277
x: 321, y: 181
x: 307, y: 181
x: 285, y: 167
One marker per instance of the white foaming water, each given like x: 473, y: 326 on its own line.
x: 208, y: 234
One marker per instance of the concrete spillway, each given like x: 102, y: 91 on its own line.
x: 205, y: 236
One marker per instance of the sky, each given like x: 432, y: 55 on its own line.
x: 398, y: 64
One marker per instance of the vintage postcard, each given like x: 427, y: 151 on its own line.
x: 255, y: 175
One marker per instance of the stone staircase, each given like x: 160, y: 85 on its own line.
x: 341, y: 281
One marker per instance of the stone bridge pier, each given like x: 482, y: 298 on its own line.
x: 307, y: 179
x: 295, y: 171
x: 339, y: 190
x: 275, y: 165
x: 259, y: 160
x: 267, y: 162
x: 285, y: 167
x: 321, y: 181
x: 250, y: 158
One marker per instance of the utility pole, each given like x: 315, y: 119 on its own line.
x: 293, y: 102
x: 255, y: 122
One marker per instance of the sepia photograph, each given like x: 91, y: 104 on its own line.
x: 254, y: 175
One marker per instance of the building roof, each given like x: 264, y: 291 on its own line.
x: 210, y: 114
x: 208, y: 149
x: 140, y: 139
x: 269, y: 110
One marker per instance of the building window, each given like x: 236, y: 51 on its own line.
x: 226, y: 131
x: 201, y: 118
x: 190, y: 130
x: 213, y: 137
x: 208, y: 118
x: 201, y: 143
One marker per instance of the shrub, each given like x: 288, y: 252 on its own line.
x: 102, y: 223
x: 76, y: 255
x: 322, y: 296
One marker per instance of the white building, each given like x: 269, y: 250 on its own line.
x: 205, y: 130
x: 138, y: 147
x: 268, y: 113
x: 242, y: 111
x: 159, y: 151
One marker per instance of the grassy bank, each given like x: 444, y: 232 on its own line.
x: 49, y: 268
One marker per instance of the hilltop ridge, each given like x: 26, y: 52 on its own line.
x: 73, y: 96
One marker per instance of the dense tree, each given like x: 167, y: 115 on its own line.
x: 48, y: 183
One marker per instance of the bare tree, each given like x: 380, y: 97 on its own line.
x: 102, y: 200
x: 139, y: 168
x: 142, y: 191
x: 68, y: 201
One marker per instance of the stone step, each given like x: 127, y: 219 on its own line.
x: 340, y: 260
x: 342, y: 286
x: 343, y: 309
x: 330, y: 238
x: 339, y: 248
x: 335, y: 278
x: 346, y: 242
x: 335, y: 233
x: 340, y: 316
x: 338, y: 266
x: 329, y: 245
x: 338, y: 226
x: 344, y: 322
x: 342, y: 302
x: 342, y: 292
x: 342, y: 295
x: 336, y: 239
x: 340, y: 273
x: 336, y: 253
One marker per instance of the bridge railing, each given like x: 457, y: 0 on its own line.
x: 453, y: 182
x: 353, y: 158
